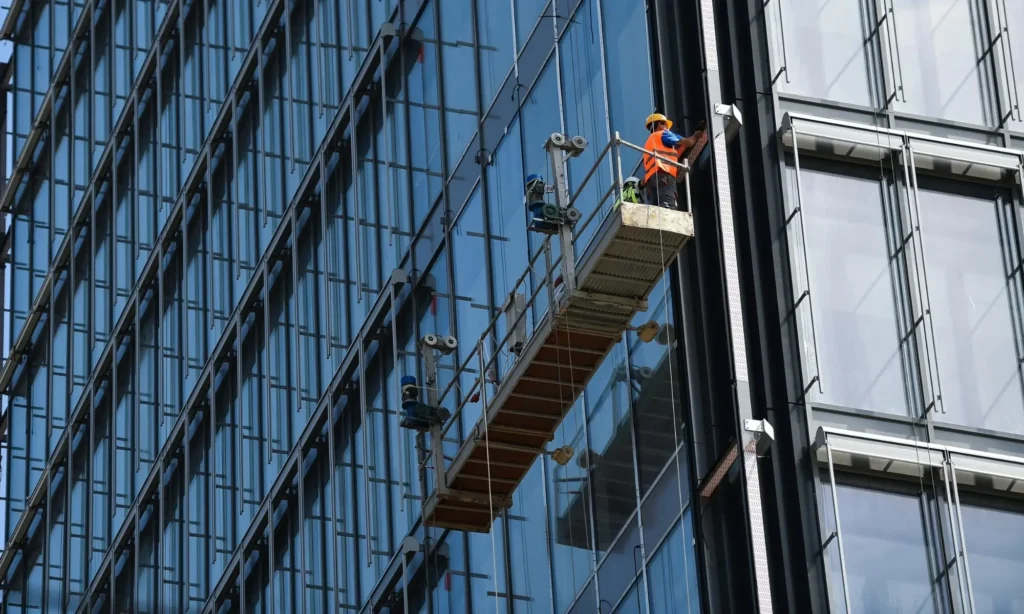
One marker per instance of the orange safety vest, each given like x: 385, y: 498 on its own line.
x: 652, y: 164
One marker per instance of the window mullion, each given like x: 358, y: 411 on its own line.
x: 999, y: 33
x: 891, y: 68
x: 798, y: 212
x: 920, y: 298
x: 839, y: 528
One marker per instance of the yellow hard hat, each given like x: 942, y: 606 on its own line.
x: 657, y: 117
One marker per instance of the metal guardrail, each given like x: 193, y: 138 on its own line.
x: 606, y: 204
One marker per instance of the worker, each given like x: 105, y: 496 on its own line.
x: 660, y: 174
x: 630, y: 192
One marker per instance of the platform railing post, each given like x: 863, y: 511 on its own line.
x: 617, y: 153
x: 436, y: 437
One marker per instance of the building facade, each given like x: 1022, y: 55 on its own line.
x: 228, y: 225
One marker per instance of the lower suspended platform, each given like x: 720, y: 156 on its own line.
x: 625, y: 260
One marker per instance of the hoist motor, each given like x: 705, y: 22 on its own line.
x: 418, y: 415
x: 546, y: 217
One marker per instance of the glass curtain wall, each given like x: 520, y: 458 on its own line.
x: 289, y: 202
x: 908, y: 527
x: 926, y: 319
x: 952, y: 60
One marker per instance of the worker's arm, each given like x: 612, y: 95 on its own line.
x: 680, y: 144
x: 685, y: 145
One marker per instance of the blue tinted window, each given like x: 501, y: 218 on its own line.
x: 626, y: 45
x: 672, y: 572
x: 496, y: 45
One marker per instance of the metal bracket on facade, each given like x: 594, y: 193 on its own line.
x: 733, y: 119
x: 764, y: 434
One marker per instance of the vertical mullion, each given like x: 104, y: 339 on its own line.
x: 354, y: 153
x: 334, y: 502
x: 212, y: 460
x: 206, y: 89
x: 113, y: 470
x: 159, y: 548
x: 231, y: 188
x: 326, y: 247
x: 187, y: 483
x: 209, y: 308
x: 136, y: 183
x: 259, y: 133
x: 91, y: 480
x: 301, y: 518
x: 137, y: 381
x: 295, y: 317
x: 241, y: 440
x: 182, y: 120
x: 368, y: 504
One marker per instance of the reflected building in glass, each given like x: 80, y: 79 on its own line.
x: 227, y: 228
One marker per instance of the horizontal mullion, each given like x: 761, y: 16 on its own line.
x: 249, y: 299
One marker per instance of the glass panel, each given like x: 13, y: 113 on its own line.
x: 609, y: 461
x: 995, y: 560
x: 458, y: 61
x: 851, y: 288
x: 528, y: 12
x: 832, y: 50
x: 656, y: 390
x: 674, y: 561
x: 528, y: 553
x: 892, y: 545
x: 944, y: 59
x: 633, y: 602
x: 1015, y: 21
x: 586, y: 114
x: 622, y: 563
x: 571, y: 518
x: 975, y: 349
x: 496, y: 42
x: 628, y: 62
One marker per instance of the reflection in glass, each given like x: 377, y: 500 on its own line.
x: 625, y: 35
x: 656, y: 390
x: 852, y: 291
x: 609, y: 461
x: 975, y: 347
x: 996, y: 560
x: 892, y: 550
x: 832, y: 50
x: 674, y: 561
x: 944, y: 59
x: 569, y: 494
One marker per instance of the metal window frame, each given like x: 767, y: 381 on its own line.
x: 37, y: 499
x: 914, y: 151
x: 166, y: 33
x: 957, y: 464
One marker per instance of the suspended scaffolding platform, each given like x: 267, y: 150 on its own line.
x: 593, y: 303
